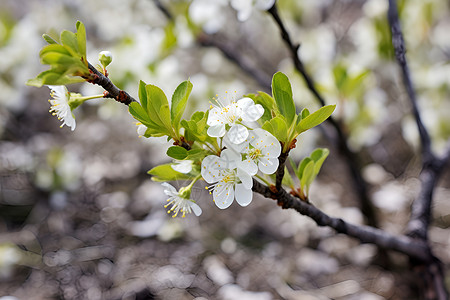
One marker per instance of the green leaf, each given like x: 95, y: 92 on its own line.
x: 301, y: 167
x: 307, y: 176
x: 55, y: 58
x: 304, y: 113
x: 157, y: 106
x: 54, y: 48
x: 49, y: 39
x: 179, y: 100
x: 278, y: 127
x: 81, y: 39
x: 194, y: 154
x: 69, y: 40
x: 315, y: 118
x: 177, y: 152
x: 166, y: 173
x: 319, y: 156
x: 50, y: 77
x: 142, y: 94
x: 282, y: 92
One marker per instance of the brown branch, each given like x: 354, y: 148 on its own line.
x: 113, y: 91
x: 359, y: 184
x: 415, y: 249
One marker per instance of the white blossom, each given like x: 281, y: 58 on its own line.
x: 183, y: 166
x: 179, y: 202
x: 233, y: 115
x: 60, y: 105
x: 228, y: 181
x: 261, y: 152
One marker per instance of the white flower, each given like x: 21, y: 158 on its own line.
x: 141, y: 129
x: 262, y: 150
x: 179, y: 202
x: 60, y: 105
x: 228, y: 181
x: 244, y: 7
x: 183, y: 166
x: 244, y: 110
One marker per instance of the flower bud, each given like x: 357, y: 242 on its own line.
x: 105, y: 58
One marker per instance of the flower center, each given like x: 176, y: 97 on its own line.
x: 254, y: 153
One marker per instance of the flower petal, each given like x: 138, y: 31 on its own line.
x: 216, y: 130
x: 196, y: 209
x: 169, y: 190
x: 224, y: 198
x: 249, y: 166
x: 214, y: 117
x: 268, y: 165
x: 250, y: 111
x: 184, y: 166
x: 237, y: 134
x: 244, y: 195
x: 245, y: 178
x: 210, y: 170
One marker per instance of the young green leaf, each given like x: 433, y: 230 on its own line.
x: 179, y: 100
x: 177, y: 152
x: 319, y: 156
x: 49, y: 39
x: 166, y: 173
x: 69, y: 41
x: 282, y: 92
x: 307, y: 176
x: 278, y: 127
x: 142, y: 94
x: 81, y: 39
x: 157, y: 106
x: 315, y: 118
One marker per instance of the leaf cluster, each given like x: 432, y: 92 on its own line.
x: 67, y: 59
x: 280, y: 117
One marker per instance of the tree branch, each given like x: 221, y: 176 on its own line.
x: 415, y: 249
x: 112, y: 90
x: 360, y: 185
x: 400, y: 49
x: 229, y: 52
x: 431, y: 275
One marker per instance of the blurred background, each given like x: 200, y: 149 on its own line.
x: 81, y: 219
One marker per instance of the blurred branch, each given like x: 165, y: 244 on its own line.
x: 229, y: 52
x: 415, y: 249
x: 112, y: 90
x: 432, y: 275
x: 400, y: 49
x: 359, y: 183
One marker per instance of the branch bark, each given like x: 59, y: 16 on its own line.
x: 415, y: 249
x: 112, y: 90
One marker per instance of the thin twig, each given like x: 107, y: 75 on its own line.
x: 359, y: 183
x: 400, y: 49
x: 113, y: 91
x: 229, y: 52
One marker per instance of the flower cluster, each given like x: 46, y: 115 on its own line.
x: 247, y: 151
